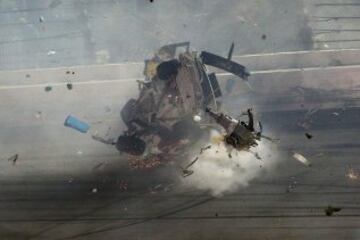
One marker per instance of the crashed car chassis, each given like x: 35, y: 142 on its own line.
x: 176, y: 87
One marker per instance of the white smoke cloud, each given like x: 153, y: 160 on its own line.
x: 217, y: 172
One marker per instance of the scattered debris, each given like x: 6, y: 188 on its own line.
x: 192, y: 162
x: 70, y: 180
x: 38, y: 114
x: 69, y: 86
x: 51, y: 52
x: 137, y: 164
x: 41, y: 19
x: 55, y: 3
x: 352, y: 174
x: 13, y: 158
x: 109, y: 141
x: 48, y: 88
x: 289, y: 188
x: 329, y: 211
x: 197, y: 118
x: 257, y: 156
x: 311, y: 111
x: 76, y: 124
x: 302, y: 159
x: 307, y: 121
x: 123, y: 185
x: 204, y: 149
x: 169, y: 187
x: 187, y: 172
x: 94, y: 190
x: 155, y: 189
x: 308, y: 136
x: 99, y: 167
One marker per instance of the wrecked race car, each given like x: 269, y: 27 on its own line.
x: 176, y: 88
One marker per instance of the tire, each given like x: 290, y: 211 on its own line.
x: 128, y: 111
x: 131, y: 145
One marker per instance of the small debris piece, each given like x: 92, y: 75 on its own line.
x: 302, y: 159
x: 197, y: 118
x: 335, y: 113
x: 155, y: 189
x: 27, y: 75
x: 204, y: 149
x: 55, y: 3
x: 73, y: 73
x: 329, y: 211
x: 94, y: 190
x: 216, y: 214
x: 38, y: 114
x: 13, y: 158
x: 41, y: 19
x: 123, y: 185
x: 352, y: 174
x: 187, y: 173
x: 99, y: 167
x: 229, y: 155
x: 103, y: 140
x: 263, y: 37
x: 51, y: 52
x: 48, y: 88
x: 169, y: 187
x: 192, y: 162
x: 308, y: 136
x: 68, y: 72
x: 69, y: 86
x: 76, y: 124
x: 257, y: 156
x: 79, y: 152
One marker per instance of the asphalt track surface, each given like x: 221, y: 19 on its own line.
x: 48, y: 192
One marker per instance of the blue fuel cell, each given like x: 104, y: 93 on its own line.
x: 75, y: 123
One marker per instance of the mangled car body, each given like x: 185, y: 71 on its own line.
x: 176, y: 88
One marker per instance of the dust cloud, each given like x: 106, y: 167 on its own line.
x: 220, y: 173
